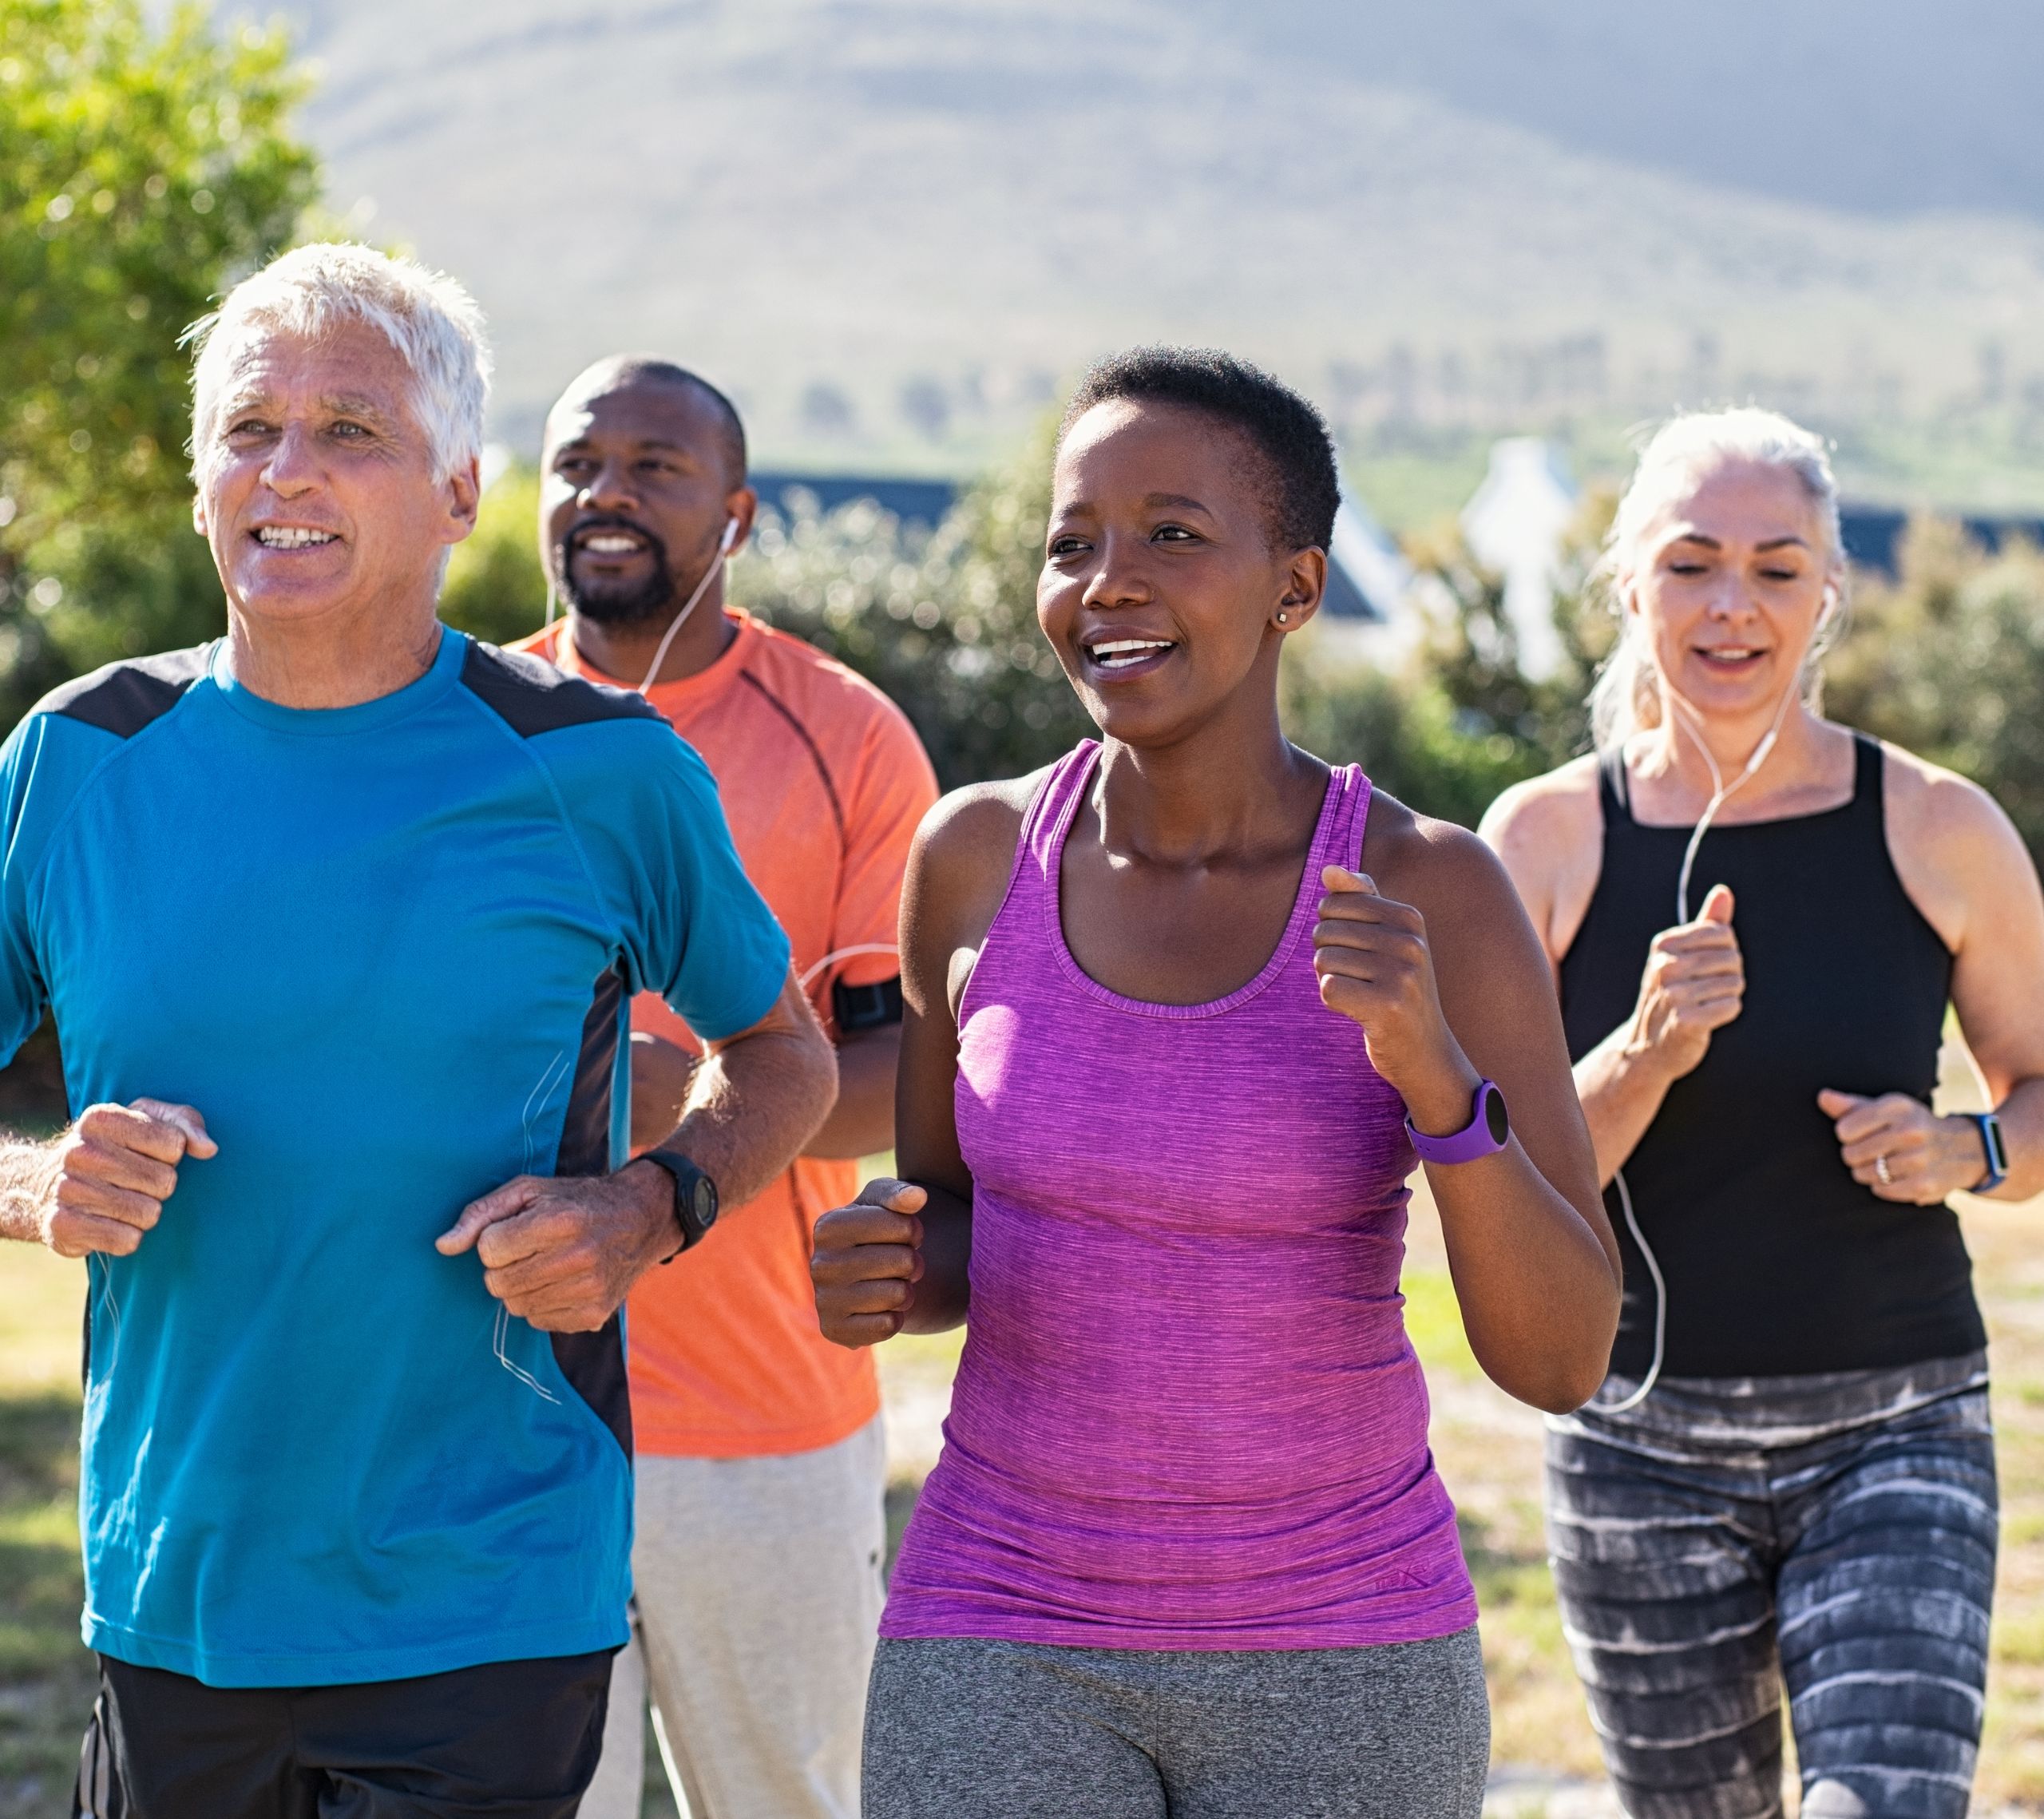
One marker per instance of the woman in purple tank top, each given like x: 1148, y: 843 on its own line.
x: 1171, y: 1006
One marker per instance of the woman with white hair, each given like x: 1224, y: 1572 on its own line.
x: 1756, y: 918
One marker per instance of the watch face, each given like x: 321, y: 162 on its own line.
x: 1496, y: 1115
x: 704, y: 1199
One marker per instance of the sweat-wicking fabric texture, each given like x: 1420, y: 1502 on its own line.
x: 1187, y: 1415
x: 964, y: 1729
x: 387, y: 951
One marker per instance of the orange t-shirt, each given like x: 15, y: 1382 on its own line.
x: 823, y: 781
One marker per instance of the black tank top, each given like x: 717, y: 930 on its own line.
x: 1778, y: 1263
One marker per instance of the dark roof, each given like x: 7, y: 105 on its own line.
x: 925, y: 502
x: 913, y: 502
x: 1873, y: 535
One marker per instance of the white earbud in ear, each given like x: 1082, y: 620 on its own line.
x: 729, y: 536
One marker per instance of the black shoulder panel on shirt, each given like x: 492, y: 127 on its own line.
x: 125, y: 697
x: 530, y: 696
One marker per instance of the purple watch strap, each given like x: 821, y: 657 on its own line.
x: 1487, y: 1131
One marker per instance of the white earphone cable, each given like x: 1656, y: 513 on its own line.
x: 680, y: 618
x: 844, y: 953
x: 1722, y: 792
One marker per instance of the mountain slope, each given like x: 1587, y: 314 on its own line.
x: 840, y: 206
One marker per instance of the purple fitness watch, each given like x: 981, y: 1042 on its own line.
x: 1488, y: 1131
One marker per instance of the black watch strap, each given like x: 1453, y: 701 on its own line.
x: 695, y: 1198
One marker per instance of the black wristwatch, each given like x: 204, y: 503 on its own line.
x: 695, y: 1198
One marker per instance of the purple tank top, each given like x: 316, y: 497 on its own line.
x: 1187, y: 1416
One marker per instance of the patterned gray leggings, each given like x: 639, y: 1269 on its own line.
x: 1834, y: 1535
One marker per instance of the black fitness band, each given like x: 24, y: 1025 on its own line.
x: 866, y: 1007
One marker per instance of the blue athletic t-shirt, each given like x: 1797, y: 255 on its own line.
x: 387, y: 951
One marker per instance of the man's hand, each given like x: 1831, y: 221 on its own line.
x: 1375, y: 967
x: 562, y: 1252
x: 867, y: 1261
x: 111, y: 1172
x: 1902, y: 1150
x: 1694, y: 984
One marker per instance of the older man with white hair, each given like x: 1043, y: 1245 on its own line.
x: 340, y: 918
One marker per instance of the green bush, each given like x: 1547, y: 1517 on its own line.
x: 1403, y: 728
x: 1948, y: 661
x: 495, y: 586
x: 945, y: 621
x: 145, y: 164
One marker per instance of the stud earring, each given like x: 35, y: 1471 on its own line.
x: 1280, y: 619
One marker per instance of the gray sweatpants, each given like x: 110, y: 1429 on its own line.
x: 965, y: 1729
x: 759, y: 1593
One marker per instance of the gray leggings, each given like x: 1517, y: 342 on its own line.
x: 1832, y: 1534
x: 963, y: 1729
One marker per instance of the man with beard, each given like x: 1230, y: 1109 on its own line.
x: 761, y: 1454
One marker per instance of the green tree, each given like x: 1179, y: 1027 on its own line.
x: 1400, y: 726
x: 1947, y: 661
x: 495, y: 585
x: 1472, y: 649
x: 145, y: 165
x: 944, y: 621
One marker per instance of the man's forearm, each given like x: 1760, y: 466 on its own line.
x: 753, y: 1105
x: 861, y: 1123
x: 28, y: 1175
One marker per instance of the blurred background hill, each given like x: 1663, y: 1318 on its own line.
x: 893, y: 226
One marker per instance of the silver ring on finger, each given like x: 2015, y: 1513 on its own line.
x: 1880, y: 1169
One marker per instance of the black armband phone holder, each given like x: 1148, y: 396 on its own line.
x: 865, y: 1007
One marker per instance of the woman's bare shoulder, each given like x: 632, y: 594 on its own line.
x: 1438, y: 866
x: 1546, y: 816
x: 964, y: 852
x: 1548, y: 833
x: 980, y: 823
x: 1953, y: 845
x: 1930, y: 803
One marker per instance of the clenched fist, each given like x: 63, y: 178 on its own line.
x: 868, y: 1259
x: 1694, y: 984
x: 111, y: 1172
x: 1375, y: 967
x: 1902, y: 1150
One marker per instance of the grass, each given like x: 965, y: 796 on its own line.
x: 46, y: 1676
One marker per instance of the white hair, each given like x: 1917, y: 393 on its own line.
x: 1625, y: 697
x: 434, y: 324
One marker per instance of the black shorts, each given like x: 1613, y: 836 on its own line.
x: 513, y: 1739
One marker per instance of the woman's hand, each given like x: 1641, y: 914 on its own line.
x: 1694, y: 984
x: 1902, y: 1150
x: 1375, y: 967
x: 867, y: 1260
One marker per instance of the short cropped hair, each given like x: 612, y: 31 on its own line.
x: 1302, y: 486
x: 621, y: 370
x: 434, y: 324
